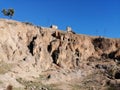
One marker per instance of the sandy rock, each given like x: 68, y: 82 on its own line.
x: 33, y: 50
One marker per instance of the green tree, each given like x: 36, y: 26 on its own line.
x: 8, y: 12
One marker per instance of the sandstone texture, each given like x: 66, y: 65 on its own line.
x: 39, y: 58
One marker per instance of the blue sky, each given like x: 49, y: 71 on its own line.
x: 91, y: 17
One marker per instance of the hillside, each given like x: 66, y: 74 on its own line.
x: 39, y: 58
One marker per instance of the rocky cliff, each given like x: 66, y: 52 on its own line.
x: 38, y: 58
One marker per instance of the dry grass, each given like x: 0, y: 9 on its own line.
x: 35, y: 85
x: 4, y: 67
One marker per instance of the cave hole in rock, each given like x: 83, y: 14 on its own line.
x: 31, y: 45
x: 68, y: 39
x: 97, y: 42
x: 55, y: 56
x: 77, y: 61
x: 54, y: 34
x: 112, y: 55
x: 49, y: 76
x: 24, y: 59
x: 77, y: 53
x: 117, y: 75
x: 49, y: 48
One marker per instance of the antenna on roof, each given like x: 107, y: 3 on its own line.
x: 96, y: 32
x: 104, y: 32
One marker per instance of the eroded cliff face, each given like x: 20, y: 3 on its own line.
x: 30, y: 52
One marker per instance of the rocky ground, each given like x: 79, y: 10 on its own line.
x: 37, y: 58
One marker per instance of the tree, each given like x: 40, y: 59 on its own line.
x: 8, y: 12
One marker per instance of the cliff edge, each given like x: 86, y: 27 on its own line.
x: 38, y: 58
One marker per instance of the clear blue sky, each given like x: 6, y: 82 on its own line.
x: 91, y: 17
